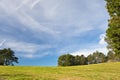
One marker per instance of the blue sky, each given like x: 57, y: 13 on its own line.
x: 41, y: 30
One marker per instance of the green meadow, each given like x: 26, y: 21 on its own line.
x: 104, y: 71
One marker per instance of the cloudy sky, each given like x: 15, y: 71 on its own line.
x: 41, y: 30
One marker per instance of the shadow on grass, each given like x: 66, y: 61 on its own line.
x: 15, y: 76
x: 21, y: 77
x: 12, y: 75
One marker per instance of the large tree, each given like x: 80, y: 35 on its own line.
x: 7, y: 57
x: 113, y: 31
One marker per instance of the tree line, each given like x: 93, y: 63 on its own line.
x: 95, y: 58
x: 7, y: 57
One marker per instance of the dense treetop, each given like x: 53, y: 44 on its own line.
x: 113, y: 31
x: 95, y: 58
x: 7, y: 57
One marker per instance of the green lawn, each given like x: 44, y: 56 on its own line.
x: 105, y: 71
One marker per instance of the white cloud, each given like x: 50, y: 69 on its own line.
x: 101, y: 46
x: 29, y: 3
x: 35, y: 3
x: 32, y: 24
x: 2, y: 43
x: 21, y: 46
x: 61, y: 19
x: 102, y: 39
x: 88, y: 51
x: 25, y: 18
x: 35, y: 55
x: 28, y: 50
x: 55, y: 12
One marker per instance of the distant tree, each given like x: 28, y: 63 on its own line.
x: 90, y: 59
x: 83, y: 60
x: 113, y: 31
x: 77, y: 60
x: 66, y: 60
x: 99, y: 57
x: 7, y: 57
x: 70, y: 60
x: 110, y: 55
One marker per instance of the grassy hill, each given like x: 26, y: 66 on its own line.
x: 105, y: 71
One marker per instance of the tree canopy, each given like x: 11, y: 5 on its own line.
x: 7, y: 57
x: 113, y: 31
x: 70, y: 60
x: 66, y: 60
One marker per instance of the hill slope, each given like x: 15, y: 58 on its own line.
x: 105, y: 71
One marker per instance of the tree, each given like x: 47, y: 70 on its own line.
x: 80, y: 60
x: 113, y: 31
x: 7, y: 57
x: 77, y: 60
x: 90, y: 59
x: 110, y: 56
x: 66, y: 60
x: 83, y: 60
x: 99, y: 57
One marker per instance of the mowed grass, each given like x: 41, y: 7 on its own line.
x: 104, y: 71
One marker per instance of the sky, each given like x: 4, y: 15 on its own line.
x: 39, y: 31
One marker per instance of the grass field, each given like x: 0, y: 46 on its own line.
x: 105, y: 71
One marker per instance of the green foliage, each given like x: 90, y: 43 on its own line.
x: 110, y: 55
x: 113, y: 31
x: 83, y: 60
x: 96, y: 57
x: 66, y: 60
x: 99, y: 57
x: 70, y: 60
x: 80, y: 60
x: 113, y: 7
x: 7, y: 57
x: 77, y: 60
x: 90, y: 59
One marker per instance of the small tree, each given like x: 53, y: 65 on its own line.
x: 83, y: 60
x: 77, y: 60
x: 66, y: 60
x: 99, y: 57
x: 7, y: 57
x: 110, y: 55
x: 90, y: 59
